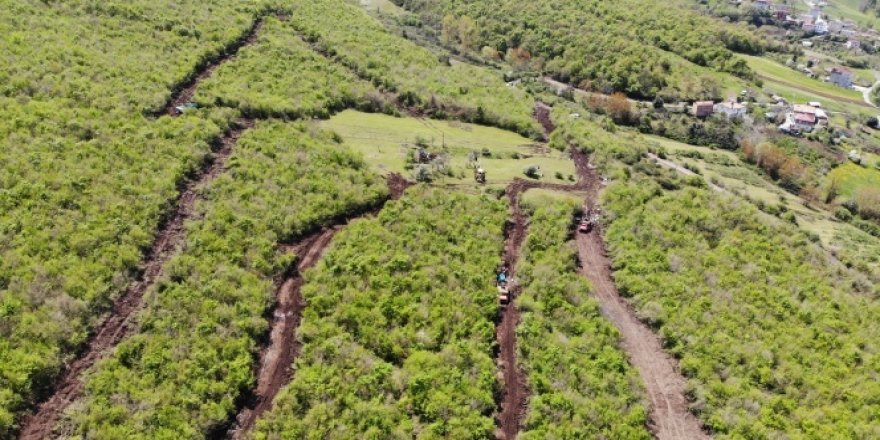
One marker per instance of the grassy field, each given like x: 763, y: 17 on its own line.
x: 386, y: 142
x: 851, y: 177
x: 847, y: 242
x: 799, y: 88
x: 849, y: 9
x: 539, y: 197
x: 725, y: 169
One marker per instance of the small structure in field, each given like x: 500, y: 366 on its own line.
x: 702, y: 109
x: 841, y: 77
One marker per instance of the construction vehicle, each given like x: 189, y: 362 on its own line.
x: 502, y: 281
x: 589, y: 220
x: 480, y: 175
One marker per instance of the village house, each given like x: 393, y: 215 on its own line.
x: 731, y: 109
x: 809, y: 26
x: 821, y: 27
x: 804, y: 119
x: 853, y: 44
x: 702, y: 109
x: 841, y: 77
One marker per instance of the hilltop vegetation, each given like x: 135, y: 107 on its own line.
x: 280, y: 75
x: 420, y: 80
x: 641, y: 48
x: 398, y: 334
x: 113, y: 55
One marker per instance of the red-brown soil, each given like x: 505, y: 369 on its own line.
x: 276, y: 359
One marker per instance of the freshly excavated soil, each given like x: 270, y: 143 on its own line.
x: 514, y: 395
x: 277, y: 358
x: 69, y: 386
x: 542, y: 115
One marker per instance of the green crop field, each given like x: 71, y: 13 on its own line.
x: 852, y: 177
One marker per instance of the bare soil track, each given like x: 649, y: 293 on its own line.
x: 669, y: 413
x: 276, y: 359
x: 187, y: 89
x: 69, y: 385
x: 514, y: 395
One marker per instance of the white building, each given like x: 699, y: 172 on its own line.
x: 731, y: 109
x: 821, y: 26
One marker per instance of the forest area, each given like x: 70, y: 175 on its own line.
x: 171, y: 170
x: 643, y: 49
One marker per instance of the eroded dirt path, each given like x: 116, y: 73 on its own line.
x: 276, y: 359
x: 514, y: 395
x: 669, y: 413
x: 68, y: 387
x: 186, y: 90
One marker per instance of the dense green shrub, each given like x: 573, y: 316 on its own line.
x: 280, y: 75
x: 454, y: 90
x: 113, y: 55
x: 580, y: 382
x: 81, y: 194
x: 774, y: 339
x: 85, y: 179
x: 192, y: 356
x: 398, y: 335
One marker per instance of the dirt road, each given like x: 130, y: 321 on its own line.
x: 277, y: 359
x: 69, y: 386
x: 514, y: 395
x: 669, y: 413
x: 185, y: 91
